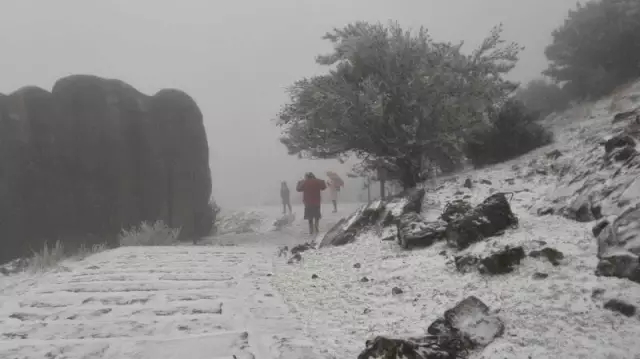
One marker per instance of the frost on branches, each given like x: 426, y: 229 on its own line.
x: 395, y: 98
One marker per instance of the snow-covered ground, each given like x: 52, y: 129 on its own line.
x: 350, y: 297
x: 233, y: 297
x: 204, y: 301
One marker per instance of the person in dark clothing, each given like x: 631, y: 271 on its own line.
x: 311, y: 188
x: 284, y: 194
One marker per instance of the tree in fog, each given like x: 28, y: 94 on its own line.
x: 542, y: 97
x: 394, y: 98
x: 597, y: 48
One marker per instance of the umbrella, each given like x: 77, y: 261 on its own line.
x: 335, y: 178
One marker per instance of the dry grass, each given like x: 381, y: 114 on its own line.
x: 146, y: 234
x: 50, y: 257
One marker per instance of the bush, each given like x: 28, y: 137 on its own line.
x: 145, y: 234
x: 543, y: 97
x: 511, y: 132
x: 50, y: 257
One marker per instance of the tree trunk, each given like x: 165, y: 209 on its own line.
x: 382, y: 192
x: 408, y: 174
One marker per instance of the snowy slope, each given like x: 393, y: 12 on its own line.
x: 561, y: 316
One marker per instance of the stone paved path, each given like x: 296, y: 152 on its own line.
x: 153, y: 302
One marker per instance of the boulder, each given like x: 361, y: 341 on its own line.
x: 621, y: 307
x: 582, y: 210
x: 468, y: 183
x: 620, y: 147
x: 302, y: 248
x: 414, y: 231
x: 617, y: 141
x: 389, y: 348
x: 627, y: 115
x: 500, y: 262
x: 554, y: 155
x: 489, y: 218
x: 347, y: 229
x: 468, y: 325
x: 409, y: 201
x: 455, y: 210
x: 619, y: 245
x: 553, y: 255
x: 382, y: 213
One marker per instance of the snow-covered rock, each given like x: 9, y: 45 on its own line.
x: 414, y: 231
x: 468, y: 325
x: 491, y: 217
x: 619, y: 245
x: 381, y: 214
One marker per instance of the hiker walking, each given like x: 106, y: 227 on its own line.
x: 284, y: 194
x: 333, y: 193
x: 311, y: 187
x: 334, y: 183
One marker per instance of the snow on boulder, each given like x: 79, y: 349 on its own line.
x: 489, y: 218
x: 347, y: 229
x: 455, y: 210
x: 619, y: 245
x: 468, y: 325
x: 409, y: 201
x: 472, y: 321
x: 414, y: 231
x: 378, y: 213
x: 581, y: 209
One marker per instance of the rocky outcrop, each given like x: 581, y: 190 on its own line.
x: 468, y: 325
x: 94, y: 156
x: 347, y: 229
x: 489, y: 218
x: 383, y: 213
x: 619, y: 245
x: 414, y: 231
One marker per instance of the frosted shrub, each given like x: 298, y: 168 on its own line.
x: 50, y: 257
x: 47, y: 257
x: 145, y: 234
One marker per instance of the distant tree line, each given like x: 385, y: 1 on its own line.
x: 595, y: 50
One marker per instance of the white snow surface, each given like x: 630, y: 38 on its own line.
x: 233, y: 297
x: 206, y: 301
x: 556, y: 317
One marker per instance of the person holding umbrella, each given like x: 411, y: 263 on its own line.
x: 335, y: 182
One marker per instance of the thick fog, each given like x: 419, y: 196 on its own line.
x: 235, y: 58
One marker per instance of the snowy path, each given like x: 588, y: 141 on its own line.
x: 208, y: 301
x: 163, y: 302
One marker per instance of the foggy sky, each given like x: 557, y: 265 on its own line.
x: 235, y: 58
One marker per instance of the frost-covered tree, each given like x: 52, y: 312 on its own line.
x: 395, y: 99
x: 597, y: 48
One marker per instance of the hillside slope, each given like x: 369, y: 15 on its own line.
x: 549, y: 311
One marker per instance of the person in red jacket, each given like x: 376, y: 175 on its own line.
x: 311, y: 198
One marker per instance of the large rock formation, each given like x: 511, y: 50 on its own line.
x: 95, y: 156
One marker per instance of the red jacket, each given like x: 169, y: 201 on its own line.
x: 310, y: 189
